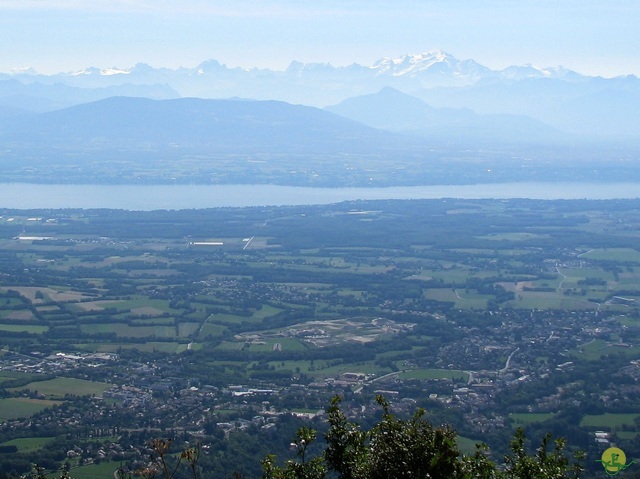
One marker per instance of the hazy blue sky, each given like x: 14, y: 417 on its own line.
x: 593, y: 37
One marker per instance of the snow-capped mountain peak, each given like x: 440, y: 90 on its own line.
x: 86, y: 71
x: 100, y: 72
x: 532, y: 71
x: 432, y: 68
x: 23, y: 71
x: 412, y: 64
x: 114, y: 71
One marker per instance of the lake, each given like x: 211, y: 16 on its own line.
x: 156, y: 197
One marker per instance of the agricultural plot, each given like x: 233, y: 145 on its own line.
x: 123, y: 330
x: 17, y: 315
x: 598, y: 348
x: 550, y: 300
x: 515, y: 236
x: 188, y: 329
x: 16, y: 408
x: 609, y: 421
x: 332, y: 332
x: 210, y: 330
x: 99, y: 305
x: 320, y: 370
x: 159, y: 321
x: 628, y: 321
x: 44, y: 294
x: 455, y: 276
x: 271, y: 344
x: 10, y: 303
x: 460, y: 376
x: 168, y: 347
x: 464, y: 299
x: 306, y: 367
x: 231, y: 346
x: 60, y: 387
x: 232, y: 319
x: 424, y: 293
x: 523, y: 419
x: 6, y: 376
x: 366, y: 367
x: 24, y: 328
x: 407, y: 352
x: 621, y: 255
x: 467, y: 445
x: 29, y: 444
x: 96, y: 471
x: 152, y: 273
x: 584, y: 273
x: 141, y: 305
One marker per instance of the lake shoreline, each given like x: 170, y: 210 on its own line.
x: 178, y: 196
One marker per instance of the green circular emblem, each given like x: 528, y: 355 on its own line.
x: 614, y: 460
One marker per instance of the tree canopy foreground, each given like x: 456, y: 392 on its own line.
x: 397, y: 449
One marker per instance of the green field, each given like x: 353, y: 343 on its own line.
x: 213, y: 330
x: 59, y: 387
x: 516, y: 236
x: 454, y: 275
x: 609, y: 421
x: 597, y: 348
x: 613, y: 254
x: 17, y: 315
x: 409, y: 288
x: 15, y: 408
x: 139, y: 302
x: 270, y: 345
x: 434, y: 374
x: 150, y: 322
x: 549, y: 300
x: 24, y: 328
x: 463, y: 299
x: 414, y: 349
x: 147, y: 346
x: 467, y: 445
x: 187, y: 329
x: 10, y: 302
x: 322, y: 369
x: 123, y: 330
x: 29, y: 444
x: 104, y: 470
x: 628, y: 321
x: 522, y: 419
x: 256, y: 316
x: 11, y: 375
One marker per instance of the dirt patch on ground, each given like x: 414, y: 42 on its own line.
x: 519, y: 286
x: 332, y: 332
x: 46, y: 309
x: 153, y: 272
x: 94, y: 305
x: 362, y: 339
x: 21, y: 315
x: 147, y: 311
x: 30, y: 292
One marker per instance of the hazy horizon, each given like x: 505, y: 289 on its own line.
x: 63, y: 36
x: 114, y: 69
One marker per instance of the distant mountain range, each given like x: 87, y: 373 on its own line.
x: 392, y: 110
x: 194, y: 140
x: 462, y: 94
x: 191, y: 126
